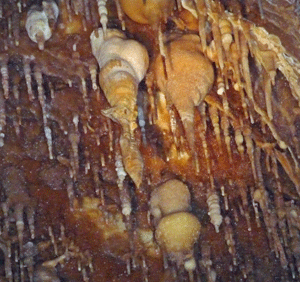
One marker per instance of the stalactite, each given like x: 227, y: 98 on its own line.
x: 214, y: 116
x: 4, y: 75
x: 218, y: 41
x: 286, y: 164
x: 229, y: 237
x: 37, y: 26
x: 14, y: 185
x: 250, y: 150
x: 8, y: 266
x: 27, y: 73
x: 87, y: 11
x: 16, y: 28
x: 74, y: 138
x: 221, y: 85
x: 131, y: 72
x: 2, y: 118
x: 142, y: 115
x: 41, y: 97
x: 225, y: 126
x: 93, y: 73
x: 203, y: 130
x: 201, y: 11
x: 226, y: 34
x: 239, y: 140
x: 245, y: 66
x: 52, y: 238
x: 182, y: 52
x: 102, y: 11
x: 214, y: 209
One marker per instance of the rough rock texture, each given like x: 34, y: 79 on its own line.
x: 63, y: 187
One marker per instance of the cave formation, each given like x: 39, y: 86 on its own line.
x: 149, y: 140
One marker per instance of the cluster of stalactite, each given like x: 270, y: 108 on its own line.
x: 149, y: 140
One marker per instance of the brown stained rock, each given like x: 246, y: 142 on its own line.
x: 247, y: 158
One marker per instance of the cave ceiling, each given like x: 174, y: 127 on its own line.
x: 149, y: 140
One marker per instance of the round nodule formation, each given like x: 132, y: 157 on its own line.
x: 170, y: 197
x: 178, y: 232
x: 115, y: 46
